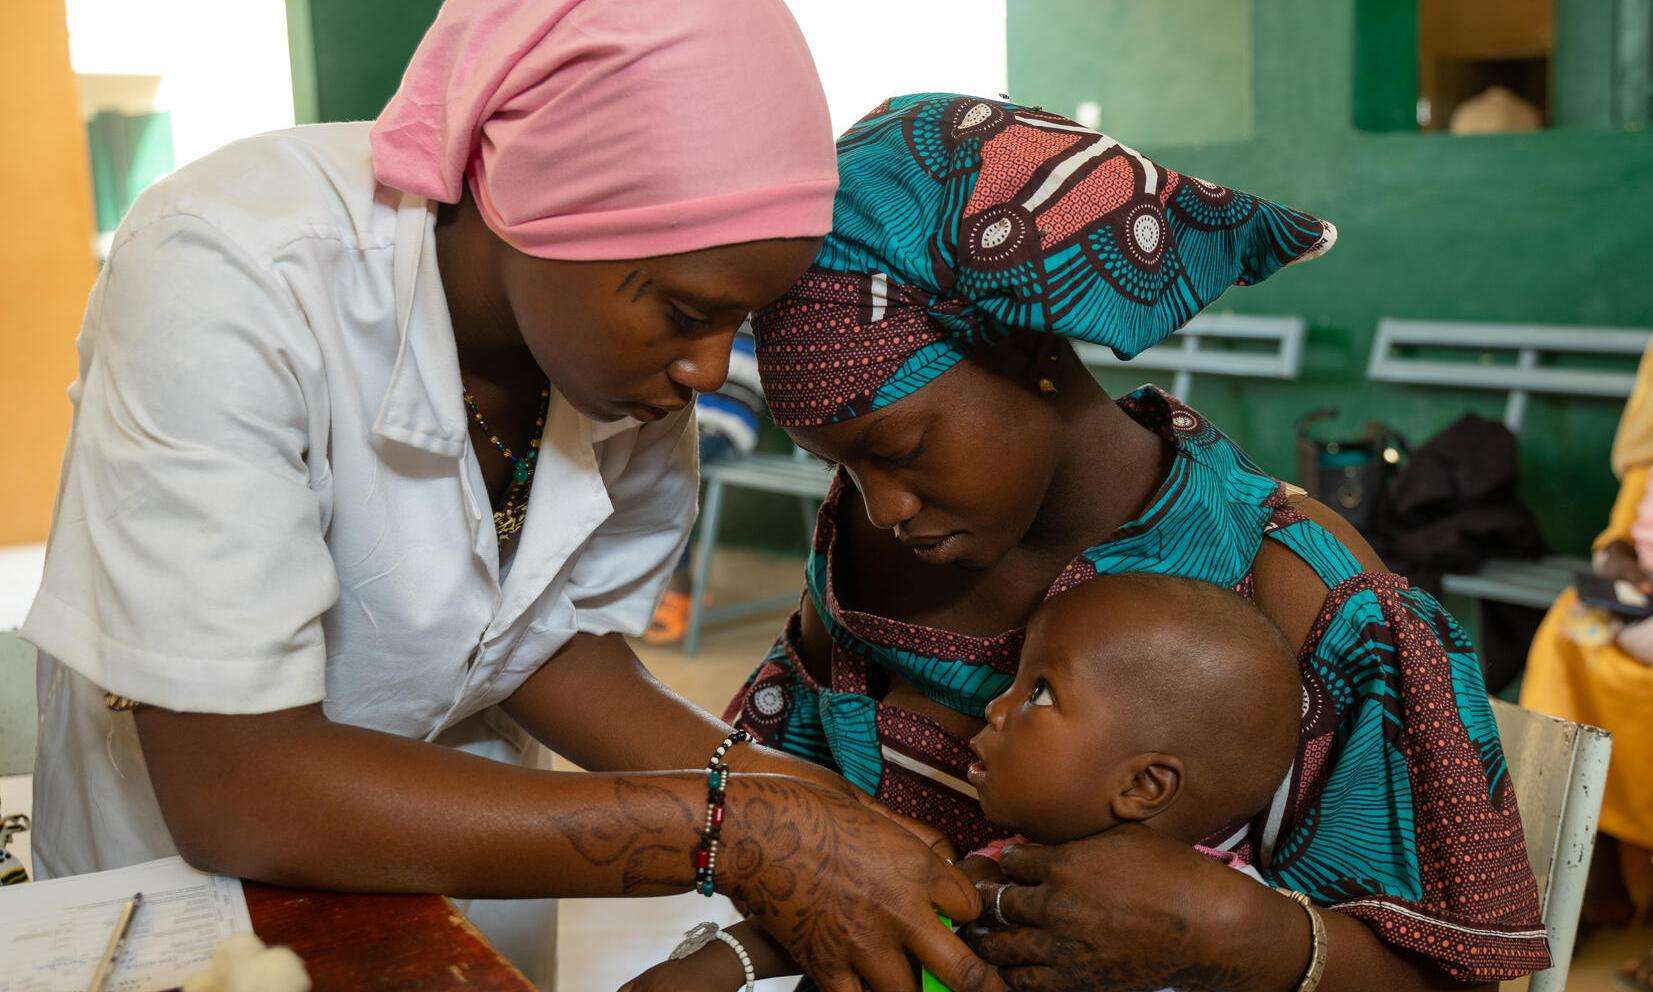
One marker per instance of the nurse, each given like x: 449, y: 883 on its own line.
x: 383, y: 437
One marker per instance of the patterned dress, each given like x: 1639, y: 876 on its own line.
x: 1398, y: 809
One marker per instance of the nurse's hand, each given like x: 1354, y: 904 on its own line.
x: 849, y: 893
x: 758, y: 758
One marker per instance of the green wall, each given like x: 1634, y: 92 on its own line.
x: 127, y: 152
x: 1208, y: 102
x: 1549, y: 227
x: 348, y: 55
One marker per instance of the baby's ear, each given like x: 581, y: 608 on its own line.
x: 1151, y: 782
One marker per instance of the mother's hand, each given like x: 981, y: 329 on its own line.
x: 1130, y: 909
x: 850, y: 893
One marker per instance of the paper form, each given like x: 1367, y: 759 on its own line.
x: 53, y: 933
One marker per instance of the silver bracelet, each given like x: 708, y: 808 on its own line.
x: 701, y: 935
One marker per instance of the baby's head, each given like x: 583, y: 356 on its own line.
x: 1140, y: 698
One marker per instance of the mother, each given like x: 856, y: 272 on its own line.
x: 981, y: 468
x: 288, y: 564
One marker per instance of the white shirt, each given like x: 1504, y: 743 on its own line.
x: 270, y: 496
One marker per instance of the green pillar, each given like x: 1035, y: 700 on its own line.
x: 1385, y: 94
x: 348, y: 55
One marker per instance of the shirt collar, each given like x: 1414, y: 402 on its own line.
x: 423, y: 405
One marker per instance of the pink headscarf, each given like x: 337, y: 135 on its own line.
x: 604, y: 129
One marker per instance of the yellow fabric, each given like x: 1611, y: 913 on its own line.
x: 1624, y: 508
x: 1633, y: 444
x: 1602, y: 685
x: 1606, y: 688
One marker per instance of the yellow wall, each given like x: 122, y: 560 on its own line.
x: 46, y: 261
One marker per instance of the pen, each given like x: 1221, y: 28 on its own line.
x: 122, y: 925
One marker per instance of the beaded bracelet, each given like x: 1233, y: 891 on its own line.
x: 717, y: 778
x: 701, y: 935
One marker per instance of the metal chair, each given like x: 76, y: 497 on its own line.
x: 1509, y: 358
x: 17, y: 739
x: 795, y: 475
x: 17, y: 708
x: 1558, y: 769
x: 1275, y: 350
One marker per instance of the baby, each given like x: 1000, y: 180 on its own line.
x: 1139, y: 699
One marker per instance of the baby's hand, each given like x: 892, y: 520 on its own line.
x: 711, y: 969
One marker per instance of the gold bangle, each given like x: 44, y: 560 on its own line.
x: 1317, y: 932
x: 120, y: 704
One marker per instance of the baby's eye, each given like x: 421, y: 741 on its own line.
x: 1040, y: 696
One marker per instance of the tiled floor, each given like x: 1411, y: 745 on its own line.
x: 602, y: 942
x: 1599, y: 954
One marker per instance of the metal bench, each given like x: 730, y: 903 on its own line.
x: 1210, y: 344
x: 1517, y: 359
x: 796, y: 475
x: 1274, y: 350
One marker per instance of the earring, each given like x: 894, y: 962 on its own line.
x: 1047, y: 383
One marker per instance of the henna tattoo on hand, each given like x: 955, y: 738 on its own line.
x: 832, y: 880
x: 814, y: 869
x: 654, y: 852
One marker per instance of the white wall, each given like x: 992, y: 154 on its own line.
x: 225, y: 72
x: 867, y: 50
x: 223, y: 63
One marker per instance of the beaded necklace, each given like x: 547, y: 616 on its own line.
x: 513, y: 508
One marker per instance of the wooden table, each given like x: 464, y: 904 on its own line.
x: 360, y: 943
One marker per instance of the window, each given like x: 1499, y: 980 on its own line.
x: 164, y: 82
x: 1484, y: 65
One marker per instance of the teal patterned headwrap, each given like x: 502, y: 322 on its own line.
x: 961, y: 220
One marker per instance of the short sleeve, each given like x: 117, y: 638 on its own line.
x: 624, y: 567
x: 187, y: 566
x: 1402, y: 813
